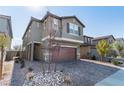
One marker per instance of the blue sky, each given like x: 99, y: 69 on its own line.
x: 98, y: 20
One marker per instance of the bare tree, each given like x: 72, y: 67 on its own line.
x: 51, y: 46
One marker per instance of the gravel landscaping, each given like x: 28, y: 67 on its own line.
x: 49, y: 79
x: 82, y: 73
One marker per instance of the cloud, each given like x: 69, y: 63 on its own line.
x: 36, y: 8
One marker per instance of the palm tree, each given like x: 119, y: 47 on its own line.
x: 102, y: 48
x: 3, y: 44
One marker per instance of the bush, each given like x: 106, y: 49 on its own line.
x: 93, y: 57
x: 116, y: 63
x: 30, y: 69
x: 118, y: 57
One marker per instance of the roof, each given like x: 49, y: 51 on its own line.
x: 8, y: 18
x: 87, y: 36
x: 53, y: 15
x: 75, y: 18
x: 50, y: 14
x: 62, y: 17
x: 29, y: 24
x: 120, y: 39
x: 103, y: 37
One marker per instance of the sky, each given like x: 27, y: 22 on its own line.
x: 98, y: 20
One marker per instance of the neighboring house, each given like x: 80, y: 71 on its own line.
x: 69, y: 34
x: 109, y: 38
x: 120, y: 41
x: 6, y: 28
x: 86, y: 47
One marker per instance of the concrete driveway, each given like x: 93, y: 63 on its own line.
x: 116, y: 79
x: 82, y: 73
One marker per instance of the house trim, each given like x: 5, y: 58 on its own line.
x: 63, y: 39
x: 34, y: 42
x: 69, y: 46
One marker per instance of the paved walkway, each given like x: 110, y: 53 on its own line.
x: 116, y: 79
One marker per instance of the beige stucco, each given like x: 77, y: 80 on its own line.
x: 36, y: 34
x: 109, y: 40
x: 84, y: 50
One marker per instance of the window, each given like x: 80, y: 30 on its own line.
x: 29, y: 31
x: 55, y: 24
x: 73, y: 29
x: 37, y: 24
x: 45, y: 23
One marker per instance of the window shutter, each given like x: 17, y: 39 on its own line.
x: 79, y: 31
x: 67, y: 27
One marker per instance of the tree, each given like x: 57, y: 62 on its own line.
x: 118, y: 47
x: 52, y: 46
x: 102, y: 48
x: 3, y: 44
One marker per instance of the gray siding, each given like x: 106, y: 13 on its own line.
x: 36, y: 31
x: 64, y: 29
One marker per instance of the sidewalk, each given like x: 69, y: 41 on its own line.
x: 7, y: 73
x: 116, y: 79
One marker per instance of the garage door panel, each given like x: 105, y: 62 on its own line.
x: 65, y: 54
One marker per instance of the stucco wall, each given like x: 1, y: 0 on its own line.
x: 36, y: 31
x: 64, y: 29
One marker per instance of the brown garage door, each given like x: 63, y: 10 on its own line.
x: 65, y: 54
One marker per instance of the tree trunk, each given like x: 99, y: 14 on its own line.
x: 43, y: 69
x: 1, y: 63
x: 101, y: 58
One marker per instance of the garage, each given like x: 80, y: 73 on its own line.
x: 64, y: 54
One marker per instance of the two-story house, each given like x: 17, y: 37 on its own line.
x: 109, y: 38
x: 69, y: 34
x: 88, y: 48
x: 6, y: 28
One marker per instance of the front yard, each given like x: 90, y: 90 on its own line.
x: 82, y: 73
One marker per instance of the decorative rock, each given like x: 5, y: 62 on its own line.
x: 49, y: 79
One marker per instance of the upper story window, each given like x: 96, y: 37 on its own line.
x: 38, y: 25
x: 3, y: 25
x: 110, y: 41
x: 55, y: 24
x: 74, y: 29
x: 25, y: 36
x: 45, y: 23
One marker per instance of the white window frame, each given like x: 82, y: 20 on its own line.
x: 55, y: 24
x: 38, y: 24
x: 73, y: 29
x: 45, y: 23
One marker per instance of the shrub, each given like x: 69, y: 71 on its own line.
x: 30, y: 69
x: 93, y: 57
x: 116, y: 63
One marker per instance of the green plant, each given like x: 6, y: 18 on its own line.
x: 93, y: 57
x: 3, y: 44
x: 102, y: 48
x: 116, y: 63
x: 118, y: 47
